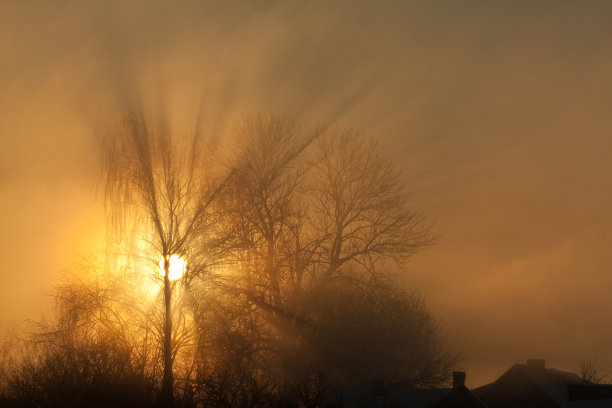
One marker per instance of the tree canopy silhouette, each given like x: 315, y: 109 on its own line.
x: 287, y: 291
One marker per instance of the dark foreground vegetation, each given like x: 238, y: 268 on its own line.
x: 287, y: 295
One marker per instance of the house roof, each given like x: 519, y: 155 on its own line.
x: 528, y: 385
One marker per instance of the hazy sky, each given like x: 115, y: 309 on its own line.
x: 496, y: 110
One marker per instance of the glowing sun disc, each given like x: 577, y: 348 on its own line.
x: 176, y: 269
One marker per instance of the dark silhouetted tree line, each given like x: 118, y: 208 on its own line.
x: 288, y: 235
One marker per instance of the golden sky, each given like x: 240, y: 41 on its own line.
x: 496, y: 110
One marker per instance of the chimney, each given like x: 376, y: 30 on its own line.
x: 536, y: 363
x: 458, y: 379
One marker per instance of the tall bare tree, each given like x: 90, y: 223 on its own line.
x: 159, y: 196
x: 318, y: 215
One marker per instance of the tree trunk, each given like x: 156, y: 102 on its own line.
x: 167, y: 391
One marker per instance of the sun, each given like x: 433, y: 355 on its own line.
x: 176, y: 269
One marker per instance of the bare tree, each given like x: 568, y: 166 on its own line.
x: 161, y: 197
x: 312, y: 209
x: 264, y: 202
x: 590, y: 373
x: 360, y: 208
x: 317, y: 215
x: 86, y: 352
x: 286, y: 291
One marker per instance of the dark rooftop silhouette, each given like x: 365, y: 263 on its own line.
x: 534, y: 385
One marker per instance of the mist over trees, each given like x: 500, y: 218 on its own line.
x: 288, y: 236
